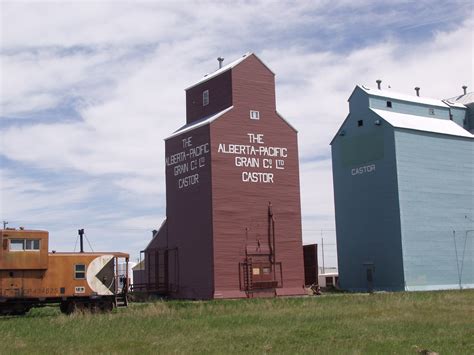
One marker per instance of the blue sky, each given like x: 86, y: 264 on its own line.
x: 90, y: 89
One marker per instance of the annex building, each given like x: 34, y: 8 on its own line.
x: 233, y: 225
x: 403, y: 171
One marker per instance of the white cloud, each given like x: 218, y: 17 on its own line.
x: 127, y: 74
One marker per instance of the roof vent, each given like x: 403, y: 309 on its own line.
x: 220, y: 60
x: 378, y: 81
x: 417, y: 89
x: 464, y: 87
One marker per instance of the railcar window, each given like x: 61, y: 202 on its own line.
x: 32, y: 244
x: 24, y: 244
x: 17, y: 244
x: 80, y: 271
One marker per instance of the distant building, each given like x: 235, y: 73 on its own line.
x: 233, y: 224
x: 328, y: 280
x: 403, y: 171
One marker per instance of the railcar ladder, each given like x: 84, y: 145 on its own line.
x: 121, y: 300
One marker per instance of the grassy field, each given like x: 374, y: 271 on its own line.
x: 382, y: 323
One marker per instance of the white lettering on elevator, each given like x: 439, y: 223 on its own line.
x: 256, y: 155
x: 188, y: 162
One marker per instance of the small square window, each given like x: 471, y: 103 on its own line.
x: 205, y: 97
x: 389, y: 104
x: 79, y: 271
x: 431, y: 111
x: 32, y: 244
x: 254, y: 115
x: 266, y: 270
x: 360, y: 123
x: 256, y: 271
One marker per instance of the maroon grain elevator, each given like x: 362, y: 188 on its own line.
x: 233, y: 226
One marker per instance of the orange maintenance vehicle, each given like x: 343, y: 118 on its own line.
x: 32, y: 277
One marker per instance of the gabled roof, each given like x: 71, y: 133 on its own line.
x: 399, y: 96
x: 420, y: 123
x: 203, y: 121
x: 226, y: 68
x: 286, y: 121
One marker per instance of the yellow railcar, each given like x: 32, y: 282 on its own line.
x: 30, y: 276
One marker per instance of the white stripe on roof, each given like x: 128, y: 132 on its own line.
x: 199, y: 123
x: 398, y: 96
x: 419, y: 123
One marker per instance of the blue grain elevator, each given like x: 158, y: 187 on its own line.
x: 403, y: 171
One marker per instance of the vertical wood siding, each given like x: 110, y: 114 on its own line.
x: 189, y: 218
x: 220, y: 97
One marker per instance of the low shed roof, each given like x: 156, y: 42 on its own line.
x: 420, y: 123
x: 202, y: 122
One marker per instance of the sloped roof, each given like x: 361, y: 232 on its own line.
x: 404, y: 97
x: 139, y: 266
x: 157, y: 232
x: 203, y: 121
x: 226, y: 68
x: 462, y: 99
x: 219, y: 71
x: 420, y: 123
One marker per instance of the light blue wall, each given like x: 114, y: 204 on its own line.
x: 470, y: 117
x: 459, y: 116
x: 400, y: 216
x: 367, y: 215
x: 436, y: 189
x: 410, y: 108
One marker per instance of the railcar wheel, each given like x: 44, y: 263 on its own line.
x: 68, y: 307
x: 106, y: 306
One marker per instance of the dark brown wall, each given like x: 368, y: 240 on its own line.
x: 238, y: 205
x: 189, y: 215
x: 151, y: 256
x: 310, y: 255
x: 220, y: 97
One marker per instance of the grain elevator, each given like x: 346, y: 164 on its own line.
x: 403, y: 172
x: 233, y: 225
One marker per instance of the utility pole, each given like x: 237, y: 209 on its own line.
x: 5, y: 224
x: 322, y: 250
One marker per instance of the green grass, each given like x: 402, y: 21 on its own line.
x: 382, y: 323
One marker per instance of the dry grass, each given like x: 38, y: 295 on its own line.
x: 342, y: 323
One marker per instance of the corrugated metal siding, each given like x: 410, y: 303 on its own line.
x: 436, y: 184
x: 410, y: 108
x: 459, y: 116
x: 366, y: 203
